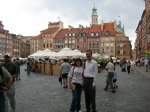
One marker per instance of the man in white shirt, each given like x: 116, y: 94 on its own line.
x: 90, y: 73
x: 146, y: 61
x: 110, y: 68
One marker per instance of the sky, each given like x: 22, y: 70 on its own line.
x: 29, y: 17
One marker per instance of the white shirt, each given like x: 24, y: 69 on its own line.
x: 91, y: 70
x: 110, y: 67
x: 76, y: 75
x: 132, y: 63
x: 146, y: 61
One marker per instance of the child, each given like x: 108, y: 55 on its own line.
x: 114, y: 80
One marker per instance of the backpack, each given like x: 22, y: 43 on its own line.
x: 3, y: 81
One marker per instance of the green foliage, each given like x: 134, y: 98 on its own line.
x: 102, y: 62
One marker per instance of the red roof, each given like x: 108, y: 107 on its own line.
x: 109, y: 27
x: 49, y: 30
x: 62, y: 32
x: 36, y: 37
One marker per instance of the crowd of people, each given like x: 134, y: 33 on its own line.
x: 78, y: 75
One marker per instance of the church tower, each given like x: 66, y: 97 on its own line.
x: 94, y: 16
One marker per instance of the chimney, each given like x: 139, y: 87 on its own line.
x: 115, y: 24
x: 102, y: 25
x: 70, y: 27
x: 80, y: 26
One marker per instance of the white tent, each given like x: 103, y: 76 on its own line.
x: 43, y: 54
x: 77, y: 53
x: 65, y: 53
x: 48, y: 54
x: 36, y: 54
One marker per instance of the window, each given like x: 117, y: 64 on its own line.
x: 107, y: 33
x: 118, y: 52
x: 50, y: 45
x: 124, y: 52
x: 121, y: 51
x: 92, y: 34
x: 107, y: 47
x: 69, y: 41
x: 97, y: 34
x: 73, y: 41
x: 66, y: 41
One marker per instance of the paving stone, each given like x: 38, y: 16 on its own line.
x: 43, y: 93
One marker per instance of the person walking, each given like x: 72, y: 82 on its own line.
x: 18, y: 64
x: 28, y: 68
x: 128, y: 66
x: 89, y: 85
x: 64, y: 70
x: 132, y: 65
x: 5, y: 83
x: 146, y: 62
x: 12, y: 69
x: 110, y: 68
x: 75, y: 82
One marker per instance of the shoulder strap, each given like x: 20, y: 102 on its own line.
x: 73, y: 71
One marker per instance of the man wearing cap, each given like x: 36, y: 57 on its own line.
x: 12, y: 69
x: 5, y: 83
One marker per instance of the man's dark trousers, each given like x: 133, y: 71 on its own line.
x: 90, y: 94
x: 2, y: 102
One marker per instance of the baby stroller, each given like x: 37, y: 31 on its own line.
x: 114, y: 82
x: 123, y: 68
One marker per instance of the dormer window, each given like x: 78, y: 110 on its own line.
x: 107, y: 33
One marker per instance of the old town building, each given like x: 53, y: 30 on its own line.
x: 107, y: 39
x: 142, y: 42
x: 5, y: 41
x: 15, y: 45
x: 25, y: 43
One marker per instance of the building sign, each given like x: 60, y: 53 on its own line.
x: 146, y: 51
x: 146, y: 55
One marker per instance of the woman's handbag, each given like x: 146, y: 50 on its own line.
x: 60, y: 80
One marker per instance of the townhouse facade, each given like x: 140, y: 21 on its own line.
x: 13, y: 44
x: 101, y: 38
x: 5, y: 41
x: 142, y: 42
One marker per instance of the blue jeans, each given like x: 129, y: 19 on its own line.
x: 76, y: 99
x: 2, y: 102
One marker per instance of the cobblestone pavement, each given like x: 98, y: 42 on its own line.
x: 42, y: 93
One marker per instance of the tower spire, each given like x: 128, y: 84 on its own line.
x: 94, y: 16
